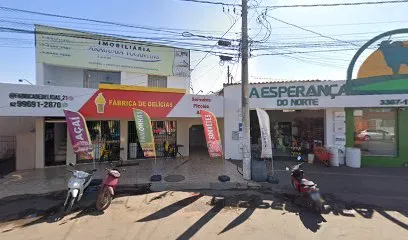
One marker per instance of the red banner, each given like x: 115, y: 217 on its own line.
x: 79, y: 134
x: 116, y: 104
x: 212, y: 134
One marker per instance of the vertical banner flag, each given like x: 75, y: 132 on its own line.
x: 144, y: 132
x: 265, y: 127
x: 212, y: 134
x: 79, y: 134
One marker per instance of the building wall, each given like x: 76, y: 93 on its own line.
x: 232, y: 105
x: 137, y: 79
x: 74, y: 77
x: 62, y: 76
x: 25, y: 151
x: 11, y: 126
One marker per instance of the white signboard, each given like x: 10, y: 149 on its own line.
x: 190, y: 106
x: 70, y: 48
x: 49, y: 101
x: 32, y: 100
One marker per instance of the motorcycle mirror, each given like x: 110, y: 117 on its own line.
x: 287, y: 169
x: 299, y: 158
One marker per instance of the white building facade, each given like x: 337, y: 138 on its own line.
x: 103, y: 78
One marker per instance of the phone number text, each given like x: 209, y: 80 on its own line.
x: 37, y: 104
x: 394, y: 102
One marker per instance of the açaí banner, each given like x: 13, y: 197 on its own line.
x: 265, y: 128
x: 79, y: 134
x: 144, y: 132
x: 212, y: 134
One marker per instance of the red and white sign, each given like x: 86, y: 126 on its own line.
x: 212, y: 134
x: 118, y: 104
x: 49, y: 101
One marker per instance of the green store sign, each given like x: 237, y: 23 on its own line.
x: 320, y: 90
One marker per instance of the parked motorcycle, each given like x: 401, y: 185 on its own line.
x: 78, y: 182
x: 308, y: 190
x: 106, y: 191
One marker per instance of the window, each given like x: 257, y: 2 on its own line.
x: 94, y: 78
x: 375, y: 131
x: 157, y: 81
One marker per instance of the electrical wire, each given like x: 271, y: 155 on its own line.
x: 334, y: 4
x: 211, y: 2
x: 311, y: 31
x: 201, y: 60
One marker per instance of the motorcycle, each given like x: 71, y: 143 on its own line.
x: 308, y: 190
x: 78, y: 182
x: 106, y: 191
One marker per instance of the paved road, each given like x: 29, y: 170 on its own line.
x: 212, y: 215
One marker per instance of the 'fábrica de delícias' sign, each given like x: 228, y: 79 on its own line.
x: 298, y: 95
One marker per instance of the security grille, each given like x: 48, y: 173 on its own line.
x: 105, y: 137
x: 157, y: 81
x: 163, y: 131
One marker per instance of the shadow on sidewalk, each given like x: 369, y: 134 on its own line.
x: 31, y: 209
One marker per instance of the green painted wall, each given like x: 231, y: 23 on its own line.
x: 402, y: 133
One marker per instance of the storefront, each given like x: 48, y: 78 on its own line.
x: 109, y: 117
x: 305, y: 114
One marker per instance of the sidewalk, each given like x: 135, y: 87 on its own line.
x: 371, y: 185
x: 386, y: 185
x: 199, y: 172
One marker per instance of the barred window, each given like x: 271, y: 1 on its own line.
x: 157, y: 81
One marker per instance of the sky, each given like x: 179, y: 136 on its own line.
x: 338, y: 25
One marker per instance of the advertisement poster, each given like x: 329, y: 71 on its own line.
x: 144, y: 132
x: 265, y: 128
x: 79, y: 134
x: 212, y: 134
x: 71, y: 48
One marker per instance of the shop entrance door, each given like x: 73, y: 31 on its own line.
x: 55, y: 142
x: 292, y: 132
x: 197, y: 141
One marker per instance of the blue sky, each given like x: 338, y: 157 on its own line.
x: 357, y: 24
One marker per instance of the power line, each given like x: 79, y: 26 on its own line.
x: 299, y: 52
x: 100, y: 36
x: 214, y: 45
x: 212, y: 3
x: 311, y: 31
x: 333, y: 4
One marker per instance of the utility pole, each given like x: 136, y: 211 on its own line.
x: 246, y: 140
x: 228, y: 75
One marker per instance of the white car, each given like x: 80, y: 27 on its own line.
x: 375, y: 134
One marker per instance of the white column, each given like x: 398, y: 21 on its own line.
x: 183, y: 138
x: 39, y: 142
x: 124, y: 139
x: 39, y: 78
x: 329, y: 127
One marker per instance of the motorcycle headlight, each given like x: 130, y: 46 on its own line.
x: 75, y: 182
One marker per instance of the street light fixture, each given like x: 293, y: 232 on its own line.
x: 25, y: 80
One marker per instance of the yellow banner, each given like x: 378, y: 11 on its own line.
x: 70, y: 48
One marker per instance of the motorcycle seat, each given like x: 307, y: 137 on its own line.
x: 306, y: 182
x: 90, y: 171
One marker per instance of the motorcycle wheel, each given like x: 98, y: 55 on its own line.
x: 69, y: 205
x: 104, y: 199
